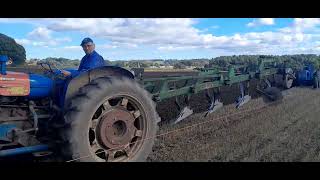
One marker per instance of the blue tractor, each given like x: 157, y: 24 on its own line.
x: 308, y: 76
x: 98, y: 115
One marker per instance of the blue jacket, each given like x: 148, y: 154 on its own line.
x: 90, y: 61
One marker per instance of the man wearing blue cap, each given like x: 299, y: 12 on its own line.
x: 91, y: 60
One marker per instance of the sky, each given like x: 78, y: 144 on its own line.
x: 164, y: 38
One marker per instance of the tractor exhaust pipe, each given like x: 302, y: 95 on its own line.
x: 3, y: 61
x: 23, y: 150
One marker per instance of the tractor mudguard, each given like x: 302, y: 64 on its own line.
x: 87, y: 76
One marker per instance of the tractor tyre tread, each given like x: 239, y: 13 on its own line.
x: 73, y: 146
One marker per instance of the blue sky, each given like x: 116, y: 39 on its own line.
x: 182, y: 38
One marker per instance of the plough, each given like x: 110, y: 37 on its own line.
x: 214, y: 78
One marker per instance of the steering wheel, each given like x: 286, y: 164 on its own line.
x: 48, y: 70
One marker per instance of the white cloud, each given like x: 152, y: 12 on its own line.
x: 42, y: 36
x: 4, y: 20
x: 107, y: 46
x: 40, y: 33
x: 176, y: 48
x: 146, y: 31
x: 261, y: 21
x: 123, y: 45
x: 306, y: 23
x: 166, y: 34
x: 72, y: 48
x: 64, y: 39
x: 251, y: 24
x: 266, y: 21
x: 302, y: 25
x: 178, y: 35
x: 170, y: 34
x: 23, y: 42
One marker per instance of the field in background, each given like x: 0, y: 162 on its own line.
x: 167, y: 70
x: 38, y: 68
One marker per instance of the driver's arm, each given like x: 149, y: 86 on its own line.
x: 65, y: 73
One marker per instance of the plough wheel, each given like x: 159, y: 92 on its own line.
x: 273, y: 94
x: 288, y: 81
x: 263, y: 84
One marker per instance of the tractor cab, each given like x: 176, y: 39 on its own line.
x: 306, y: 75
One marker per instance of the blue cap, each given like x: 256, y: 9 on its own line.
x: 85, y: 41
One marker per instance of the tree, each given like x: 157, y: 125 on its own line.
x: 107, y: 61
x: 144, y: 65
x: 179, y: 66
x: 13, y: 50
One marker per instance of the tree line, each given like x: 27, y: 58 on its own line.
x: 17, y: 53
x: 297, y: 61
x: 294, y: 61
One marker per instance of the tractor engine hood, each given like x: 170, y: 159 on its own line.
x: 14, y: 84
x: 33, y: 86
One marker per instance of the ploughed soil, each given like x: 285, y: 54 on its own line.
x: 258, y: 131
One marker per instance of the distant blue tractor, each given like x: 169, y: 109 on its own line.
x: 97, y: 115
x: 308, y: 76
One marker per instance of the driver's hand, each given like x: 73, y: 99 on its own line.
x: 65, y: 73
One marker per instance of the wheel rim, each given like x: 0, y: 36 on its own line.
x: 289, y: 81
x: 117, y: 129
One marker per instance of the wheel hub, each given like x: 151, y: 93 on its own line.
x: 116, y: 128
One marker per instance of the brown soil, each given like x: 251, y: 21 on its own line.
x: 287, y: 131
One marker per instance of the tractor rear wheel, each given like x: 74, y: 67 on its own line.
x: 110, y: 119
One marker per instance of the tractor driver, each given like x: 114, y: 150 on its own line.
x: 317, y: 79
x: 91, y: 60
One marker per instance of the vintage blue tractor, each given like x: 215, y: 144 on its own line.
x: 308, y: 76
x: 96, y: 115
